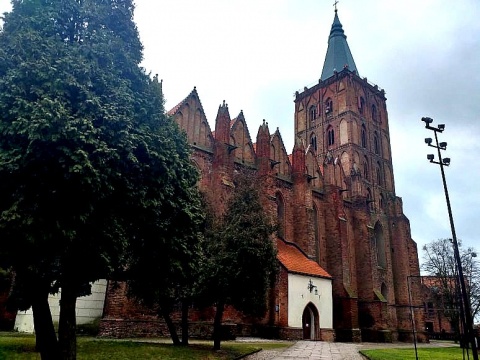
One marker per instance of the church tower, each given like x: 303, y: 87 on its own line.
x: 344, y: 119
x: 369, y: 250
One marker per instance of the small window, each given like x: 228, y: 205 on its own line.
x: 330, y: 136
x: 328, y: 106
x: 361, y: 105
x: 374, y: 113
x: 379, y: 176
x: 312, y: 113
x: 364, y: 136
x: 313, y: 142
x: 365, y: 169
x: 376, y: 144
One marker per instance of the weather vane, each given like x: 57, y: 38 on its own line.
x: 335, y: 4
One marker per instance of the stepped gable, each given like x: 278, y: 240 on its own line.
x: 296, y: 261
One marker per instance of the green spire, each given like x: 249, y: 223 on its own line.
x: 338, y: 53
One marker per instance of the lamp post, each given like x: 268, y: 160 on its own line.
x: 446, y: 162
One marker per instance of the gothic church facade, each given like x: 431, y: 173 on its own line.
x: 344, y: 244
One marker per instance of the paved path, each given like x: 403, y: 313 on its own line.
x: 321, y: 350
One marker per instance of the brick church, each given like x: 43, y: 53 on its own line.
x: 344, y: 244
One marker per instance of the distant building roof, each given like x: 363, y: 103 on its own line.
x: 295, y: 261
x: 338, y: 54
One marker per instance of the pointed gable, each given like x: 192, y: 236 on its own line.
x: 279, y: 154
x: 240, y: 137
x: 338, y: 55
x: 190, y: 116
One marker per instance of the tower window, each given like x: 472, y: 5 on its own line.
x: 364, y: 136
x: 313, y: 141
x: 330, y: 136
x: 361, y: 105
x: 374, y: 113
x: 365, y: 169
x: 376, y: 144
x: 379, y: 175
x: 328, y: 106
x: 312, y: 113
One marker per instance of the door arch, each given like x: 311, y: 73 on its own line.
x: 310, y: 322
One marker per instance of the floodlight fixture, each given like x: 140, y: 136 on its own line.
x: 427, y: 120
x: 443, y: 145
x: 446, y: 161
x: 441, y: 127
x: 430, y: 157
x: 428, y: 141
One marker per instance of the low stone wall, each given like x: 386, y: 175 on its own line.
x: 124, y: 328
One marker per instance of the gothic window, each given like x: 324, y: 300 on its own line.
x: 361, y: 105
x: 374, y: 113
x: 376, y: 143
x: 313, y: 141
x: 312, y: 114
x: 364, y: 136
x: 330, y: 136
x: 328, y: 106
x: 380, y: 246
x: 379, y: 175
x: 365, y: 169
x: 280, y: 215
x: 382, y: 202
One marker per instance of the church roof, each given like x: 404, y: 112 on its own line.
x: 295, y: 261
x: 338, y: 54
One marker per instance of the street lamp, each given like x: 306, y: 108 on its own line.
x: 446, y: 162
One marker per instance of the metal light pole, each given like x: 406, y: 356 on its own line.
x: 442, y: 163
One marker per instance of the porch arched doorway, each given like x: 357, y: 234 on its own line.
x: 310, y: 322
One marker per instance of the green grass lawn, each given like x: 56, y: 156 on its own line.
x: 15, y: 346
x: 437, y: 353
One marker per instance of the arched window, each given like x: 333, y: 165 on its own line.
x: 374, y: 113
x: 361, y: 105
x: 312, y: 114
x: 330, y: 136
x: 376, y: 143
x: 364, y: 136
x: 313, y: 141
x: 380, y: 245
x: 328, y: 106
x: 365, y: 169
x: 379, y: 175
x: 382, y: 202
x: 280, y: 215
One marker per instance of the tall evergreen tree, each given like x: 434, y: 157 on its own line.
x: 89, y: 163
x: 240, y: 257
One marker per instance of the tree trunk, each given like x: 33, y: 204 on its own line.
x: 46, y: 339
x: 217, y: 325
x: 185, y: 322
x: 68, y: 324
x: 170, y: 325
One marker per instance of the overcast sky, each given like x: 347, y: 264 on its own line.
x: 255, y: 54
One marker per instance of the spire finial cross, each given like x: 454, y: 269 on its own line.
x: 335, y: 4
